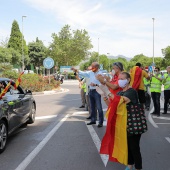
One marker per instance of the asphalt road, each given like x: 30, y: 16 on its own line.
x: 61, y: 140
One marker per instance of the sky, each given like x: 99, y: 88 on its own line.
x: 116, y: 27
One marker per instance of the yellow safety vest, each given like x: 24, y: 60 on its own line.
x: 166, y: 82
x: 156, y: 84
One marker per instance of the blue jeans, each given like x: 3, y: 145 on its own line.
x: 95, y: 100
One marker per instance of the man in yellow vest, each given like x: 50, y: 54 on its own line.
x: 166, y: 83
x: 156, y: 83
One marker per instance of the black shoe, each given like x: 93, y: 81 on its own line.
x: 147, y: 108
x: 100, y: 125
x: 153, y: 113
x: 88, y: 117
x: 82, y: 106
x: 164, y: 113
x: 91, y: 123
x: 158, y: 115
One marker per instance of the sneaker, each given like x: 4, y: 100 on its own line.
x: 82, y: 106
x: 127, y: 168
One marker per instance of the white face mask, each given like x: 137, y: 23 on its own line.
x: 122, y: 83
x: 113, y: 72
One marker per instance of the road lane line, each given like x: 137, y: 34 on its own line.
x: 97, y: 142
x: 164, y: 118
x: 45, y: 117
x: 168, y: 139
x: 151, y: 120
x: 163, y: 123
x: 40, y: 146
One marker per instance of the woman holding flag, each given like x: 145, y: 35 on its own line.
x: 118, y: 143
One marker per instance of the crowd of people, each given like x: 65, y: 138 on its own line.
x: 127, y: 96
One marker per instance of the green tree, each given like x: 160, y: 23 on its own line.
x: 70, y: 47
x: 37, y: 52
x: 15, y: 42
x: 166, y: 53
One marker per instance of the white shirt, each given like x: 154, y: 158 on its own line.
x: 92, y: 76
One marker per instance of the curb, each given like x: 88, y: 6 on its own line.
x: 50, y: 92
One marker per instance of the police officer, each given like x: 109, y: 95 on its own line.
x: 156, y: 83
x: 166, y: 83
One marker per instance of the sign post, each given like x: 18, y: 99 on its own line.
x: 48, y: 63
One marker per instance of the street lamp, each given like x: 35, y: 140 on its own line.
x: 22, y: 45
x: 109, y: 60
x: 98, y: 50
x: 153, y: 41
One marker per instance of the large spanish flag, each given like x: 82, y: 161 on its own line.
x: 114, y: 142
x: 18, y: 81
x: 5, y: 90
x: 136, y: 75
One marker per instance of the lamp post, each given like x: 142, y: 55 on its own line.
x: 98, y: 50
x: 153, y: 41
x: 109, y: 60
x: 22, y: 45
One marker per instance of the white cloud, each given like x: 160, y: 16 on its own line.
x: 121, y: 30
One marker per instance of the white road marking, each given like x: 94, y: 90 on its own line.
x: 163, y: 118
x: 151, y: 120
x: 45, y: 117
x: 97, y: 142
x: 168, y: 139
x: 40, y: 146
x: 163, y: 123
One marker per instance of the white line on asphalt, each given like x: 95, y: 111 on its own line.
x: 163, y: 118
x: 97, y: 142
x: 40, y: 146
x: 168, y: 139
x: 45, y: 117
x: 163, y: 123
x: 151, y: 120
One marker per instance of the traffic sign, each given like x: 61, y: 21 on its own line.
x: 150, y: 69
x: 101, y: 66
x: 48, y: 63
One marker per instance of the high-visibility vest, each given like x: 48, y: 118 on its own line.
x: 156, y: 84
x: 84, y: 87
x: 146, y: 83
x: 166, y: 82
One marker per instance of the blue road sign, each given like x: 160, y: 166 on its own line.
x: 150, y: 69
x: 48, y: 63
x: 101, y: 66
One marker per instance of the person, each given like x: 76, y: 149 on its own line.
x: 133, y: 141
x: 137, y: 76
x: 155, y: 89
x: 95, y: 98
x: 166, y: 82
x: 113, y: 84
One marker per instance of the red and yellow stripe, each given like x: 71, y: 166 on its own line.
x: 5, y: 90
x: 136, y: 75
x: 18, y: 81
x: 114, y: 142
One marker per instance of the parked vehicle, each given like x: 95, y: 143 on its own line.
x: 17, y: 107
x: 59, y: 77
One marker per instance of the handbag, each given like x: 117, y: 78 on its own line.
x: 136, y: 120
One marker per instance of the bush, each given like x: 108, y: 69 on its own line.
x: 33, y: 82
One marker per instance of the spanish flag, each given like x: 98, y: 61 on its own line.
x: 18, y: 81
x: 5, y: 90
x: 114, y: 142
x: 136, y: 75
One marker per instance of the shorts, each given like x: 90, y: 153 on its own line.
x: 141, y: 95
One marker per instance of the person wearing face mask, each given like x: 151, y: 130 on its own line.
x: 95, y: 97
x: 155, y: 89
x: 113, y: 84
x: 129, y: 96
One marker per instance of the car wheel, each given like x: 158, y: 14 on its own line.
x: 32, y: 114
x: 3, y: 135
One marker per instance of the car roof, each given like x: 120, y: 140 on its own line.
x: 4, y: 79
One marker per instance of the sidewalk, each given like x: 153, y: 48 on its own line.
x: 51, y: 91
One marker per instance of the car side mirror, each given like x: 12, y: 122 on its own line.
x: 28, y: 91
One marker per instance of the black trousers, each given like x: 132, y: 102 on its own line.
x: 134, y: 155
x: 167, y: 98
x: 156, y: 101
